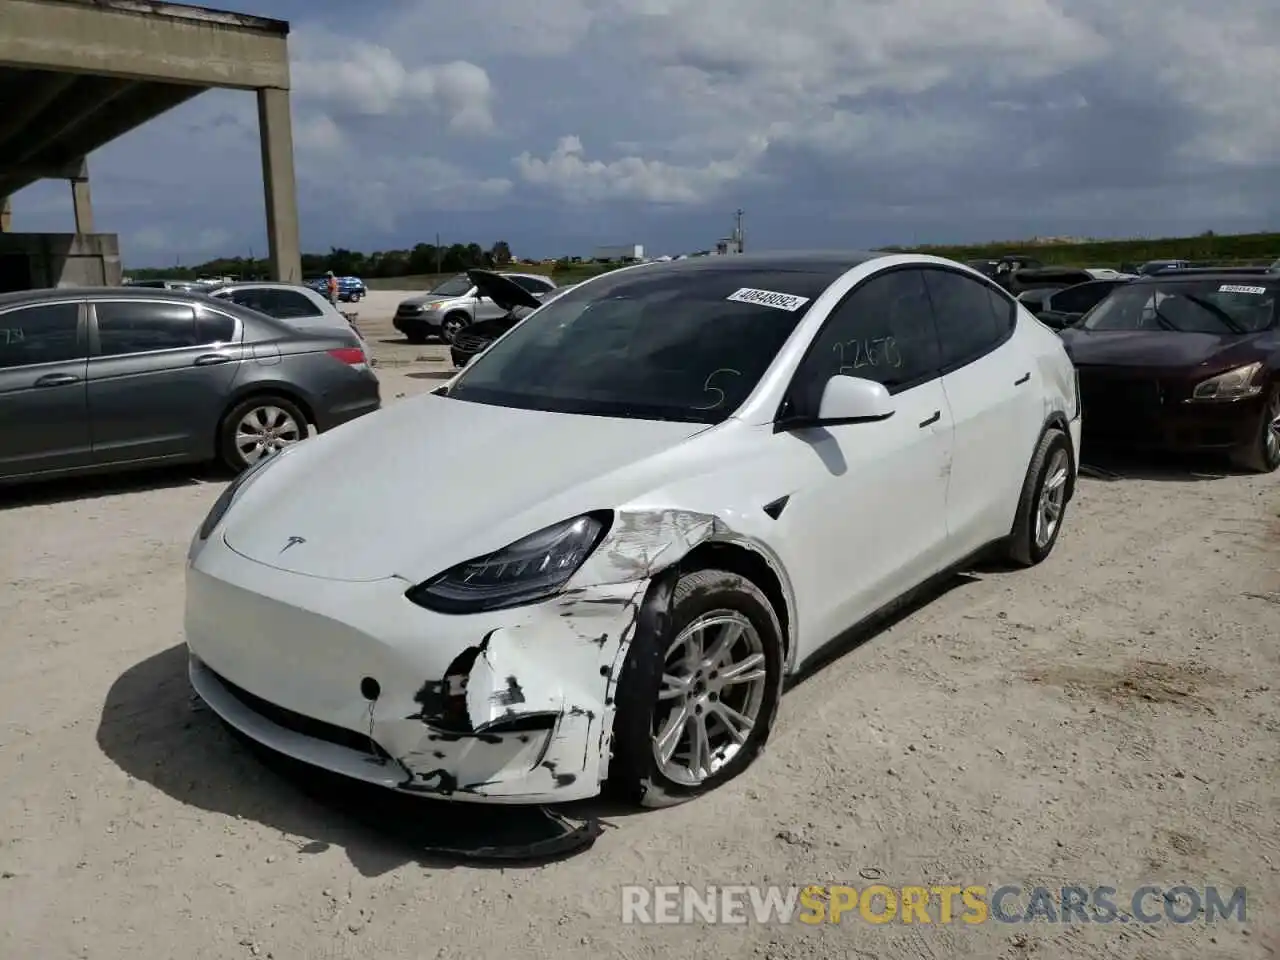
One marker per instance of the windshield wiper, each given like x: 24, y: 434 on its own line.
x: 1227, y: 320
x: 1164, y: 322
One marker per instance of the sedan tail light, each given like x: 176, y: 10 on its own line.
x: 350, y: 355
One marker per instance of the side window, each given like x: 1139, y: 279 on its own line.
x: 883, y: 331
x: 125, y: 327
x: 1081, y: 298
x: 214, y: 327
x: 41, y: 334
x: 972, y: 319
x: 281, y: 304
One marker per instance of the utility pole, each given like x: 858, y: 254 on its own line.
x: 737, y: 229
x: 438, y: 268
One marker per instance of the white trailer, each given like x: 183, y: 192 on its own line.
x: 626, y: 251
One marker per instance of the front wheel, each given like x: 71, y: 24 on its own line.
x: 1262, y: 454
x: 450, y: 326
x: 696, y: 702
x: 257, y: 428
x: 1044, y: 501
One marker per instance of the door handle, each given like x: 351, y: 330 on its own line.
x: 209, y: 359
x: 1022, y: 379
x: 56, y: 380
x: 937, y: 415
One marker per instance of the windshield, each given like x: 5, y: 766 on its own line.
x: 1210, y: 306
x: 650, y: 343
x: 453, y: 287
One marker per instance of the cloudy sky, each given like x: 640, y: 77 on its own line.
x: 563, y: 124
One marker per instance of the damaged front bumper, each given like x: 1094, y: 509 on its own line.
x: 514, y: 706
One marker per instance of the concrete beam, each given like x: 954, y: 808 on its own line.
x: 78, y: 102
x: 144, y: 40
x: 74, y: 170
x: 6, y: 215
x: 91, y: 132
x: 82, y: 200
x: 275, y: 130
x: 42, y: 90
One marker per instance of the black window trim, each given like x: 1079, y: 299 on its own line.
x: 89, y: 317
x: 779, y: 417
x: 1014, y: 315
x: 82, y: 331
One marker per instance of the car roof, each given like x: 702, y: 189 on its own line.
x: 833, y: 262
x: 242, y: 284
x: 1208, y: 276
x: 46, y: 294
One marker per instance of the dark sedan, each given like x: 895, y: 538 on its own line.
x: 116, y: 377
x: 1184, y: 362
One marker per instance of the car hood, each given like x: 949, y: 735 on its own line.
x: 431, y: 482
x: 423, y: 299
x: 504, y: 292
x: 1156, y: 348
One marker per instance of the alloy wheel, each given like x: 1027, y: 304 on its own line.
x: 265, y: 430
x: 710, y: 698
x: 1053, y: 498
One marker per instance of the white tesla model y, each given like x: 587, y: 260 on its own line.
x: 595, y: 555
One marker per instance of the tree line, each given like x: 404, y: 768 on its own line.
x: 426, y: 258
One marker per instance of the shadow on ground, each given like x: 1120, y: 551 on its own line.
x: 1118, y: 465
x: 155, y: 729
x: 108, y: 485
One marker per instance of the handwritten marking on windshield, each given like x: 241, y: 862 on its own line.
x: 709, y: 387
x: 857, y: 354
x: 1237, y: 288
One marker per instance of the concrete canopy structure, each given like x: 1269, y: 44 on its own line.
x: 77, y: 74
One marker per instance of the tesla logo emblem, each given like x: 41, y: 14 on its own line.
x: 292, y: 542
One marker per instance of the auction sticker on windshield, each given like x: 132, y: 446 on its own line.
x: 769, y: 298
x: 1235, y: 288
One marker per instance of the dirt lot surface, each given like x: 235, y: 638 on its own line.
x: 1108, y: 718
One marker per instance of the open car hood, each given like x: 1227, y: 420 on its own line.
x: 505, y: 293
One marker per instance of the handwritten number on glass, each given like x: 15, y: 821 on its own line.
x: 859, y: 354
x: 710, y: 388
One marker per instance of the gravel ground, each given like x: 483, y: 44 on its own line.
x: 1108, y: 718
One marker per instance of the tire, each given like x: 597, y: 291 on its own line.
x: 451, y: 324
x: 266, y: 409
x: 700, y: 597
x: 356, y: 297
x: 1262, y: 454
x: 1028, y: 543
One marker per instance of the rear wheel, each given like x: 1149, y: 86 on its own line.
x: 696, y: 703
x: 258, y: 427
x: 1044, y: 501
x: 450, y: 326
x: 1262, y: 455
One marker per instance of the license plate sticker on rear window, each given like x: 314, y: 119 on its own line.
x: 768, y: 298
x: 1237, y: 288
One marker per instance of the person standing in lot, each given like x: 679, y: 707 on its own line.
x: 332, y: 287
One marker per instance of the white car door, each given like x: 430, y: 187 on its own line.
x: 867, y: 520
x: 991, y: 379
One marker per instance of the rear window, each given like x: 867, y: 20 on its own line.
x: 660, y: 344
x: 1241, y: 306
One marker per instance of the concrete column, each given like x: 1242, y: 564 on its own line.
x: 6, y: 215
x: 83, y: 204
x: 275, y: 130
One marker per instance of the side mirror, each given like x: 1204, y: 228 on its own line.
x: 846, y: 400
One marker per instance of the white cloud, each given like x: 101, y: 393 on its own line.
x: 366, y: 79
x: 578, y: 179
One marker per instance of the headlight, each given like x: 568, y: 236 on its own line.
x: 1232, y: 385
x: 528, y: 570
x: 223, y: 503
